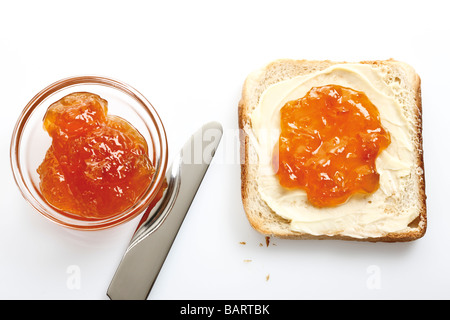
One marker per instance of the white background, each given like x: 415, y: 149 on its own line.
x: 190, y: 58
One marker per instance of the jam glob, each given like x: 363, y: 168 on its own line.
x: 328, y: 145
x: 98, y: 164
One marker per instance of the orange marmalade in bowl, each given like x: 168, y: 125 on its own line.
x: 328, y: 145
x: 98, y: 164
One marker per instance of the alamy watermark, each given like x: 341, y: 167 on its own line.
x: 231, y: 145
x: 73, y: 281
x: 373, y: 281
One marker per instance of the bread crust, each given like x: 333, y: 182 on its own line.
x: 263, y: 219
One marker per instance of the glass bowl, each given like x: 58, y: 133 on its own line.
x: 30, y: 142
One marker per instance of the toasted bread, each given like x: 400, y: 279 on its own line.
x: 409, y: 197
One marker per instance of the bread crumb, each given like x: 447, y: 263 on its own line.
x: 267, y: 241
x: 267, y: 277
x: 243, y: 242
x: 247, y: 260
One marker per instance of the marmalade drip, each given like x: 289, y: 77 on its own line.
x: 98, y: 164
x: 328, y: 145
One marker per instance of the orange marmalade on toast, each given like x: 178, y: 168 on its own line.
x: 98, y: 164
x: 328, y: 145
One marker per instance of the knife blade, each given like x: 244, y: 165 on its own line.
x: 159, y: 226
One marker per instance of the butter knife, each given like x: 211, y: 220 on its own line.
x: 158, y: 227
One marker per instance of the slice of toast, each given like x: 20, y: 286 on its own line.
x: 407, y: 94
